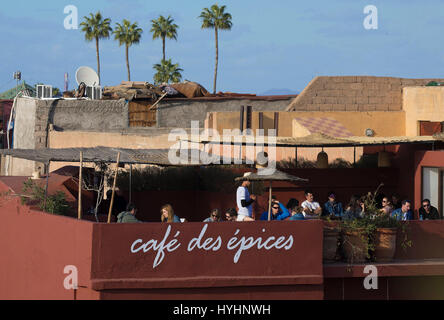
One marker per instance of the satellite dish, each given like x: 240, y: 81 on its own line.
x: 88, y: 76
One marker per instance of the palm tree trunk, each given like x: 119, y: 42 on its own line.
x: 98, y: 58
x: 163, y: 43
x: 217, y: 58
x: 127, y: 64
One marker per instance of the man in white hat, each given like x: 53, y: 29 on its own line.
x: 244, y: 201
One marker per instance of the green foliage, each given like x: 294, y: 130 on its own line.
x: 127, y: 33
x: 95, y: 27
x: 216, y: 18
x: 211, y: 178
x: 292, y: 164
x: 367, y: 161
x: 164, y: 28
x: 166, y: 72
x: 373, y: 219
x: 55, y: 203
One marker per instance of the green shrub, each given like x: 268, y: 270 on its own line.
x: 55, y: 203
x: 209, y: 178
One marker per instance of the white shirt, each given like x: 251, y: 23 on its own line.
x: 243, y: 194
x: 310, y: 205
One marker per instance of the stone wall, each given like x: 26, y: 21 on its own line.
x: 354, y: 93
x: 179, y: 114
x: 422, y: 104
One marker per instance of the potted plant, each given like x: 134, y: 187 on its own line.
x: 385, y: 237
x: 374, y: 233
x: 357, y: 244
x: 332, y: 232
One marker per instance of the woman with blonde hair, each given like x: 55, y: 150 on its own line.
x: 167, y: 214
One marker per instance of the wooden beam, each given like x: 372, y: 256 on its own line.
x: 114, y: 188
x: 79, y: 211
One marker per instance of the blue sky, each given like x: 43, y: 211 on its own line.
x: 273, y: 44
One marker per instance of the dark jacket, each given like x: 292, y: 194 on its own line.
x: 127, y: 217
x: 333, y: 209
x: 433, y: 215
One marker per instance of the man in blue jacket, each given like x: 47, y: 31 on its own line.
x: 278, y: 212
x: 403, y: 213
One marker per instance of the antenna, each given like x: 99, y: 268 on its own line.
x: 88, y: 76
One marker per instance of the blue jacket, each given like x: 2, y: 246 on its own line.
x: 333, y: 209
x: 398, y: 214
x: 283, y: 214
x: 175, y: 219
x: 297, y: 216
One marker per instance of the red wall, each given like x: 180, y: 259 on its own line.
x: 35, y: 248
x: 424, y: 159
x: 300, y: 267
x: 196, y: 205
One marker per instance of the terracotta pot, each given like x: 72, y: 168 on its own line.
x: 355, y: 246
x: 385, y: 244
x: 330, y: 245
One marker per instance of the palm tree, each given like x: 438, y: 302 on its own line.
x: 166, y: 72
x: 95, y: 28
x: 216, y: 18
x: 127, y: 34
x: 164, y: 28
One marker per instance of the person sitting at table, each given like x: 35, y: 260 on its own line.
x: 428, y: 212
x: 167, y: 214
x: 312, y: 209
x: 354, y: 209
x: 129, y: 215
x: 231, y: 215
x: 404, y: 213
x: 296, y: 213
x: 387, y: 206
x: 278, y: 212
x: 333, y: 208
x: 214, y: 216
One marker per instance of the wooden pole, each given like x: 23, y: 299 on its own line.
x: 46, y: 185
x: 130, y: 182
x: 296, y: 156
x: 79, y: 211
x: 269, y: 202
x: 114, y: 188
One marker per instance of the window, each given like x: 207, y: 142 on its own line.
x: 432, y: 186
x: 429, y: 128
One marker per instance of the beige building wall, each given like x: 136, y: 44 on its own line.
x: 86, y: 139
x: 384, y: 123
x: 422, y: 104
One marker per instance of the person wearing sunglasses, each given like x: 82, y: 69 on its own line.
x: 214, y: 216
x: 428, y: 212
x: 387, y: 206
x: 278, y: 212
x: 231, y: 215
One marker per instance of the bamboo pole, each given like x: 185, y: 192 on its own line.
x: 114, y: 188
x: 130, y: 182
x: 46, y: 185
x: 79, y: 211
x: 269, y: 202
